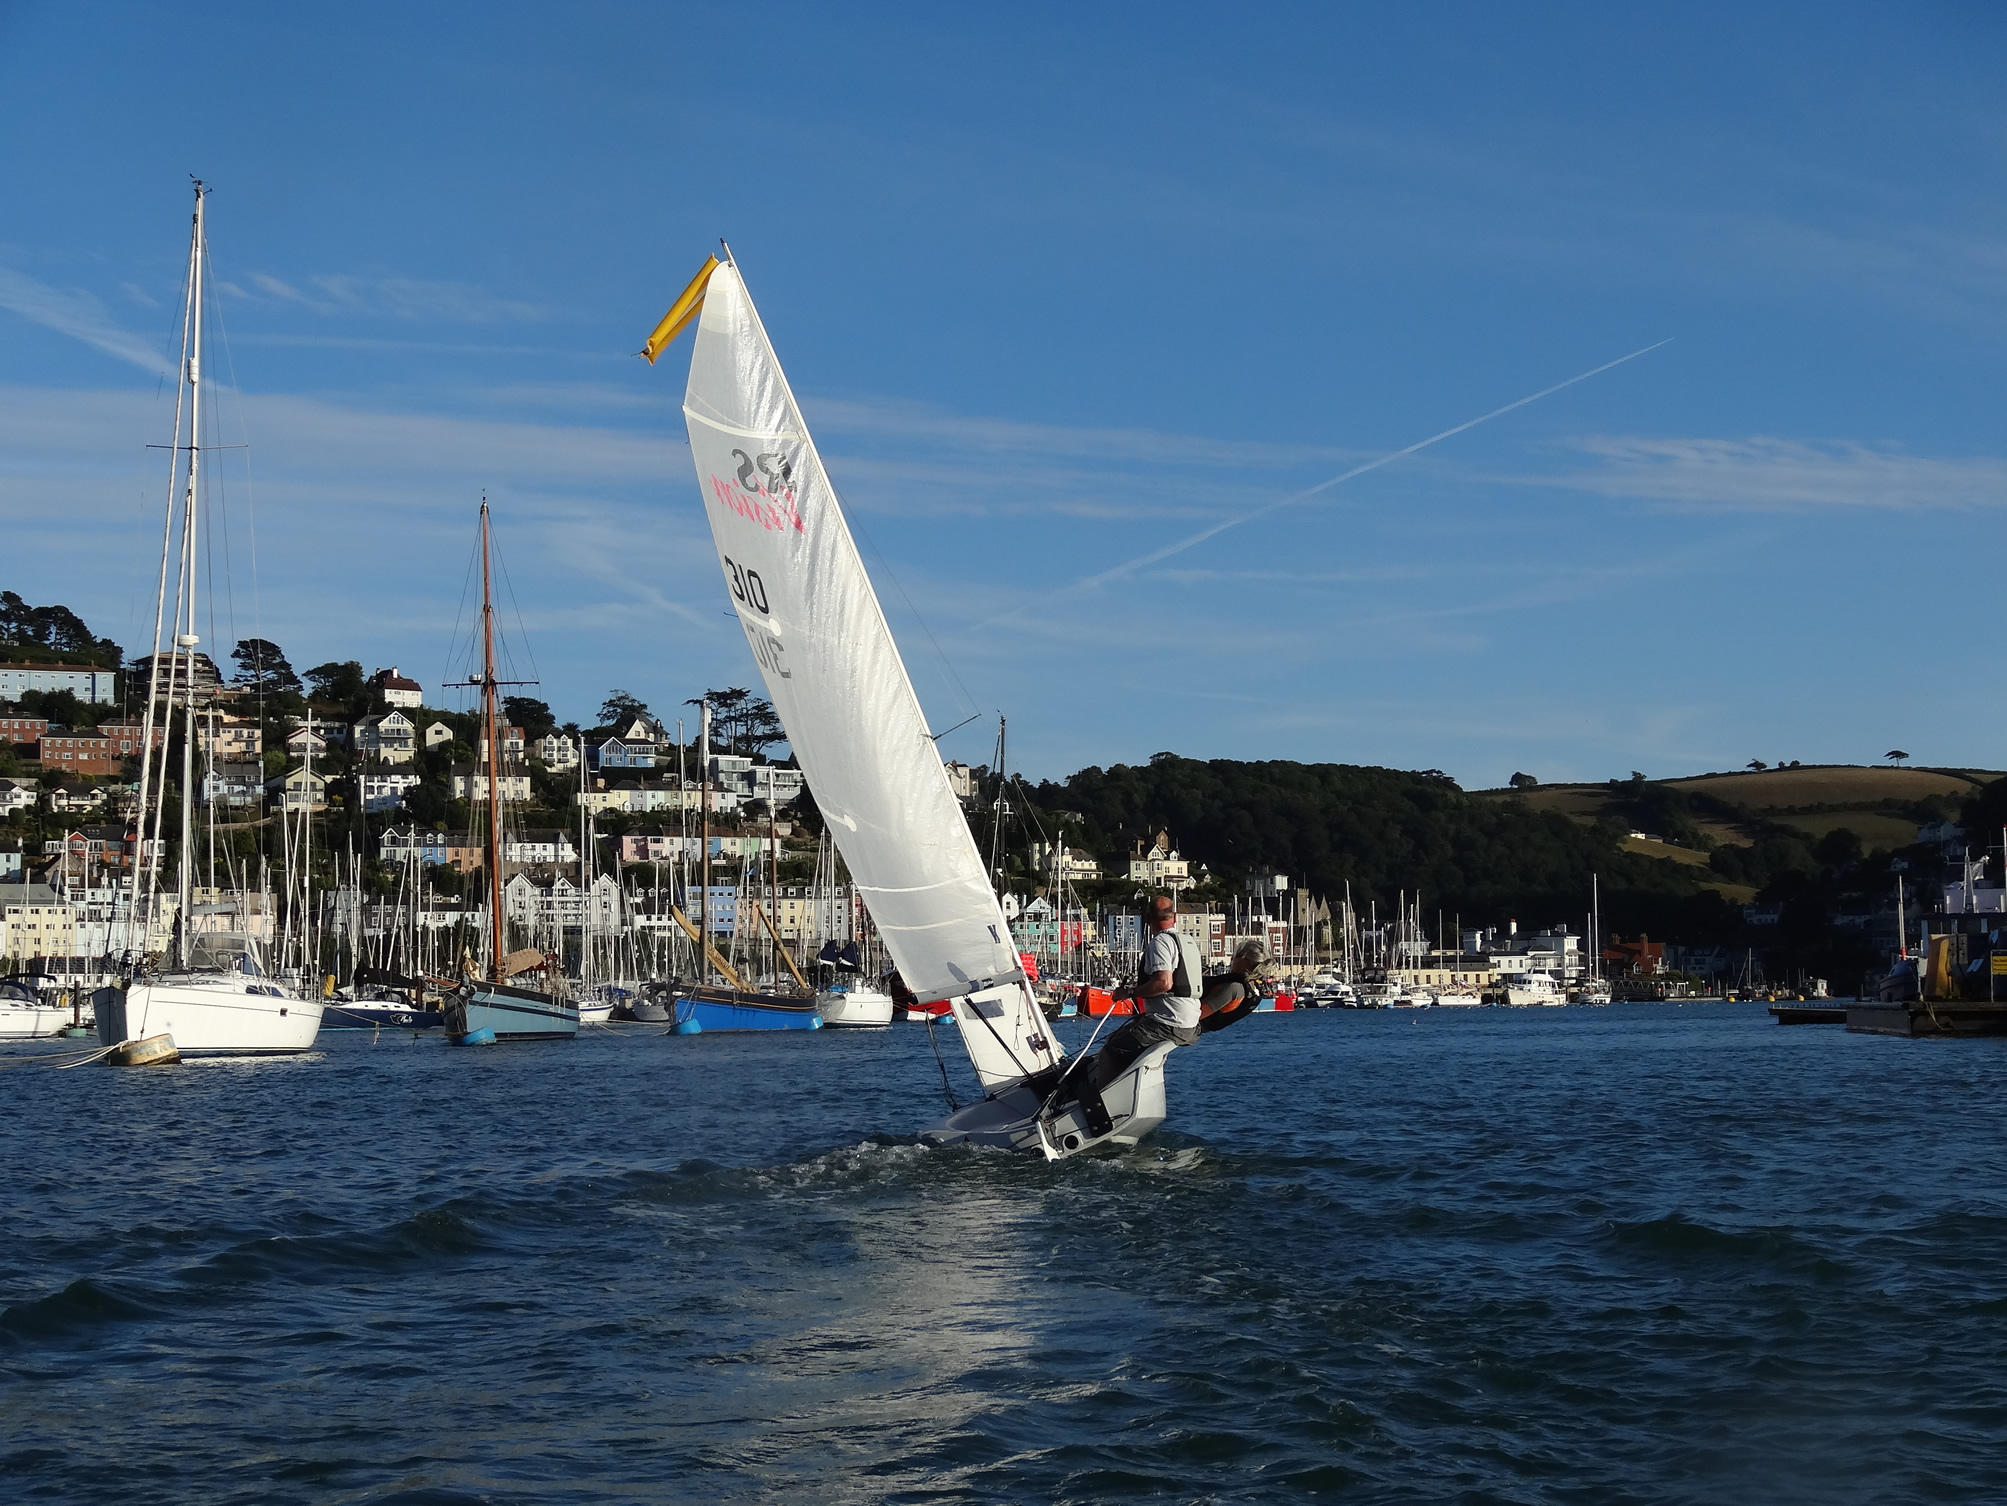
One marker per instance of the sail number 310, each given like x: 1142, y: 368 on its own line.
x: 747, y: 586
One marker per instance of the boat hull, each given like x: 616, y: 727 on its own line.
x: 1012, y: 1119
x: 227, y: 1015
x: 31, y: 1022
x: 514, y: 1014
x: 723, y: 1010
x: 378, y: 1014
x: 853, y: 1008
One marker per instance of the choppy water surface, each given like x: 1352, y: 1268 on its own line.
x: 1646, y: 1253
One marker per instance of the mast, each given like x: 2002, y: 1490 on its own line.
x: 146, y: 855
x: 185, y: 638
x: 773, y: 878
x: 704, y: 808
x: 494, y: 847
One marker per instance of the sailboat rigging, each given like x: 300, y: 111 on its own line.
x: 210, y: 992
x: 494, y: 1009
x: 835, y: 677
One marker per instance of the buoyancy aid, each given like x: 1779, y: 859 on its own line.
x: 1181, y: 978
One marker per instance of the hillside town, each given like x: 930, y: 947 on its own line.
x: 343, y: 809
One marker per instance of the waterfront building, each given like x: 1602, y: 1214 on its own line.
x: 35, y: 922
x: 87, y: 682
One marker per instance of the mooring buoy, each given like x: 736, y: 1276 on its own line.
x: 154, y: 1051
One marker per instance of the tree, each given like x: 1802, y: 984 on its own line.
x: 1524, y: 782
x: 262, y: 666
x: 1895, y: 755
x: 533, y: 716
x: 620, y: 708
x: 1757, y: 765
x: 339, y: 683
x: 747, y: 722
x: 54, y: 628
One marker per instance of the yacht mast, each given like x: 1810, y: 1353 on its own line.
x: 146, y: 853
x: 185, y: 640
x: 494, y: 852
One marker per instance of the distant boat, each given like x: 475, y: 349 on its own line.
x: 25, y: 1015
x: 850, y: 1006
x: 1533, y: 989
x: 510, y: 1012
x: 745, y: 1009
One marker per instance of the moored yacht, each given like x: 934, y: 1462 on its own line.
x: 210, y: 990
x: 216, y: 1002
x: 1531, y: 989
x: 26, y: 1014
x: 851, y: 1006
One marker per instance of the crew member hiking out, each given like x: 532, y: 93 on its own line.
x: 1168, y: 978
x: 1232, y: 997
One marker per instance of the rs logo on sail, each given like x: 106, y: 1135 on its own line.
x: 762, y: 490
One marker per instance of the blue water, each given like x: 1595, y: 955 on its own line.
x: 1639, y: 1254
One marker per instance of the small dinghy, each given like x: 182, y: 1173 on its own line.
x: 802, y: 596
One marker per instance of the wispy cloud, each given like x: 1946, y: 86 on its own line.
x: 76, y: 313
x: 411, y: 299
x: 1767, y: 474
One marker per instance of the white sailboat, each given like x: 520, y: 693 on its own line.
x: 210, y: 992
x: 835, y: 677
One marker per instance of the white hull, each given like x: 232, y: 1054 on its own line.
x: 31, y: 1022
x: 1011, y: 1120
x: 1527, y: 995
x: 210, y: 1014
x: 595, y: 1011
x: 854, y: 1008
x: 1456, y: 1000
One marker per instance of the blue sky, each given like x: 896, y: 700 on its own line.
x: 1058, y: 285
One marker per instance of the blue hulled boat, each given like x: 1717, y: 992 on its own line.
x: 731, y: 1009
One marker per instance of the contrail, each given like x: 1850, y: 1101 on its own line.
x: 1143, y: 561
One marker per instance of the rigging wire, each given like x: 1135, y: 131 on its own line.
x: 947, y: 1091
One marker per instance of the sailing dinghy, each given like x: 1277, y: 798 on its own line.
x: 835, y: 677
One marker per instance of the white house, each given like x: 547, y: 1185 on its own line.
x: 16, y: 796
x: 557, y: 752
x: 383, y: 791
x: 512, y: 744
x: 395, y: 689
x: 554, y: 903
x: 1160, y: 866
x: 390, y: 738
x: 437, y: 733
x: 299, y: 790
x: 472, y: 784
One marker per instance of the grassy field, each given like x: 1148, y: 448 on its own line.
x: 1787, y: 797
x: 1793, y: 789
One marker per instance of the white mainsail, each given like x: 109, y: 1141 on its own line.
x: 836, y: 679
